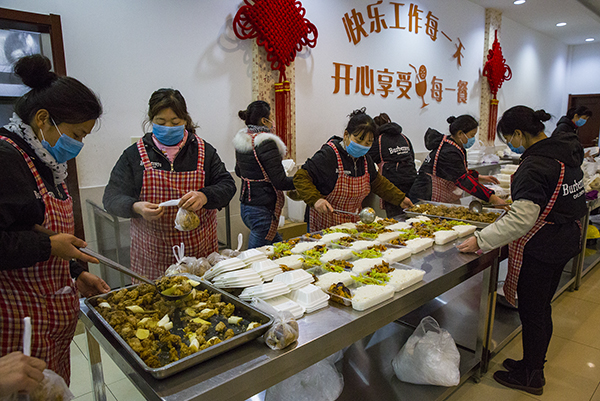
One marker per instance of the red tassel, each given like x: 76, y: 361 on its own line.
x: 283, y: 113
x: 492, y: 120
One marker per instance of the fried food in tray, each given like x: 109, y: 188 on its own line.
x: 162, y: 332
x: 455, y: 212
x: 340, y: 293
x: 174, y: 285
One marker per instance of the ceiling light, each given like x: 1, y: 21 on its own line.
x: 561, y: 24
x: 517, y: 2
x: 589, y: 40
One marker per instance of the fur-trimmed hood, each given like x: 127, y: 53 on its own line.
x: 242, y: 141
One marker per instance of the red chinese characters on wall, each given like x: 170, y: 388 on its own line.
x: 410, y: 18
x: 362, y: 80
x: 416, y: 21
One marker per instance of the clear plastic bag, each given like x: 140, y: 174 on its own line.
x: 186, y: 220
x: 429, y: 356
x: 230, y: 253
x: 184, y: 263
x: 187, y: 264
x: 284, y: 330
x: 52, y: 388
x: 215, y: 258
x: 319, y: 382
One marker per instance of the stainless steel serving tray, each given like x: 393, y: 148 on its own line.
x: 499, y: 212
x: 242, y: 309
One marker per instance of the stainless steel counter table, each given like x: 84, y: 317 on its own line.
x: 253, y: 367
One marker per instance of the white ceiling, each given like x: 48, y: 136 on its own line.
x: 582, y: 17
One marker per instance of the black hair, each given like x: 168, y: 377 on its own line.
x: 381, y: 119
x: 522, y: 118
x: 580, y: 111
x: 168, y: 98
x: 464, y: 123
x: 255, y: 112
x: 360, y: 124
x: 66, y: 99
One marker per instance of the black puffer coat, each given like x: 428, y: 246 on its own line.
x: 566, y: 125
x: 125, y: 184
x: 398, y: 154
x: 270, y: 151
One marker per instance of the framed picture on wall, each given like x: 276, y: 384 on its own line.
x: 15, y: 44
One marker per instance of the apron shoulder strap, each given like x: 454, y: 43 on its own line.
x: 144, y: 154
x: 201, y: 153
x: 554, y: 196
x: 36, y: 175
x: 339, y: 158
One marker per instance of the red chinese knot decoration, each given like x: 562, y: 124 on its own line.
x: 497, y: 71
x: 280, y: 27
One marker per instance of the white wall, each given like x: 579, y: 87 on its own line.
x: 125, y: 50
x: 539, y: 68
x: 584, y: 69
x: 321, y: 114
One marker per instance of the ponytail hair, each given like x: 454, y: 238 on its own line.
x: 255, y: 112
x: 464, y: 123
x: 522, y: 118
x: 66, y: 99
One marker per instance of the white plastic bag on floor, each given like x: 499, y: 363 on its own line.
x: 429, y: 356
x: 319, y: 382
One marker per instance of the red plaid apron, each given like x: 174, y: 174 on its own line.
x: 348, y: 194
x: 280, y: 197
x: 515, y: 248
x: 152, y: 241
x: 32, y: 291
x: 443, y: 190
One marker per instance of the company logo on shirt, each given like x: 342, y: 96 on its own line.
x: 577, y: 189
x: 401, y: 150
x: 154, y: 164
x: 347, y: 172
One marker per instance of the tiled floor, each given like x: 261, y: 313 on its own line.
x: 572, y: 372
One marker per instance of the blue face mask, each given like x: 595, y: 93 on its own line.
x: 470, y: 142
x: 356, y: 150
x: 168, y: 135
x: 66, y: 148
x: 520, y: 150
x: 580, y: 122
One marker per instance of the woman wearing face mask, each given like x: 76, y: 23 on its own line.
x: 171, y: 162
x: 543, y: 232
x: 576, y: 117
x: 444, y: 174
x: 37, y: 245
x: 258, y: 155
x: 341, y: 174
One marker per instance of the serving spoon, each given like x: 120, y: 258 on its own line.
x: 477, y: 207
x: 117, y: 266
x: 366, y: 215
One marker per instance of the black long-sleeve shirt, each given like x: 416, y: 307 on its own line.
x: 126, y: 178
x: 21, y: 207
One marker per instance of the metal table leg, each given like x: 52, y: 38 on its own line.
x: 487, y: 311
x: 580, y: 258
x: 98, y: 388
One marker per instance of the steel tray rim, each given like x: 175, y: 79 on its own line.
x: 193, y: 359
x: 478, y: 224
